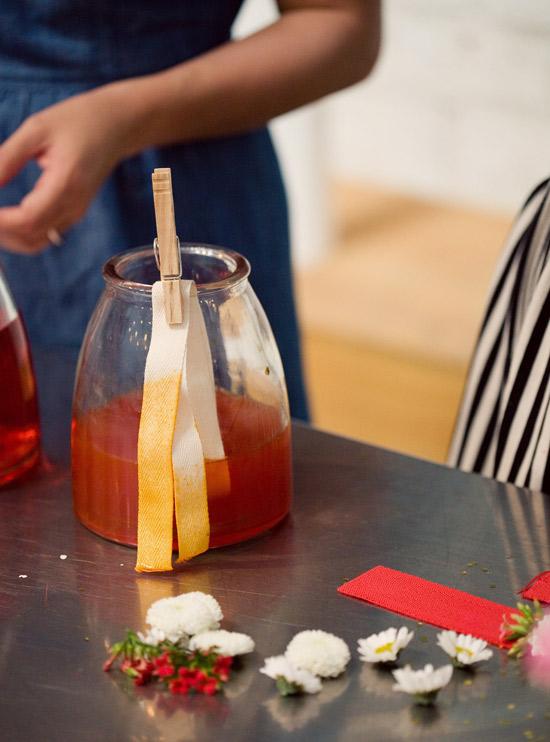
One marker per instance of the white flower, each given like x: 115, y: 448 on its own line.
x: 184, y: 615
x: 226, y: 643
x: 463, y: 648
x: 319, y: 652
x: 290, y: 679
x: 154, y: 636
x: 207, y: 600
x: 424, y: 684
x: 385, y: 646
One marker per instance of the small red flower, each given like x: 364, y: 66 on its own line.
x: 140, y: 670
x: 210, y: 687
x: 162, y: 659
x: 144, y: 670
x: 165, y: 671
x: 179, y: 686
x: 225, y: 662
x: 181, y: 671
x: 109, y: 662
x: 163, y: 667
x: 222, y: 667
x: 127, y: 665
x: 204, y: 683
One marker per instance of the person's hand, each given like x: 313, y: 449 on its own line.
x: 76, y: 143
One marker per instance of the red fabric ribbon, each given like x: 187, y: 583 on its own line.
x: 538, y: 588
x: 430, y: 602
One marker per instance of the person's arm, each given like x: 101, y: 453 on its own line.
x: 315, y: 48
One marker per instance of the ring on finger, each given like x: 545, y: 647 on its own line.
x: 54, y: 237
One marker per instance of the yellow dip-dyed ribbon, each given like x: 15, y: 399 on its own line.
x: 178, y: 428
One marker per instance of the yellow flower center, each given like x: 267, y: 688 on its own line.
x: 384, y: 648
x: 467, y: 651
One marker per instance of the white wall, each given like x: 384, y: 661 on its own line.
x: 458, y: 108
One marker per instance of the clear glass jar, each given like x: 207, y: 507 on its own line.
x: 251, y: 399
x: 19, y: 423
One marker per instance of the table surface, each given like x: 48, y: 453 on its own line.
x: 355, y: 506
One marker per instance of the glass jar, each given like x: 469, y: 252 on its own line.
x: 19, y: 423
x: 250, y: 391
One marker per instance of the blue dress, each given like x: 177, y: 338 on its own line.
x: 227, y: 191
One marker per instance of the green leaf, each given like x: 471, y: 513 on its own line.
x: 285, y: 688
x: 116, y: 648
x: 514, y: 635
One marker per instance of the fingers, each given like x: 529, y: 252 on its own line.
x: 24, y: 228
x: 20, y: 226
x: 34, y: 244
x: 64, y: 144
x: 24, y: 144
x: 53, y: 236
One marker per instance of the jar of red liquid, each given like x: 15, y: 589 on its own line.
x: 251, y: 399
x: 19, y: 424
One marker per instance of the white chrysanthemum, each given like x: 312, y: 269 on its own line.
x: 184, y: 615
x: 226, y: 643
x: 154, y: 636
x: 208, y: 600
x: 463, y: 648
x: 385, y: 646
x: 424, y: 684
x: 319, y: 652
x: 281, y: 668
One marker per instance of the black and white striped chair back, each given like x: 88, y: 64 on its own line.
x: 503, y: 427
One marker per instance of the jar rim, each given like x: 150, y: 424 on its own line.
x: 236, y: 263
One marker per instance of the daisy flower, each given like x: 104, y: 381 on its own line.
x: 318, y: 652
x: 290, y: 679
x: 184, y: 615
x: 463, y: 648
x: 424, y: 684
x: 385, y: 646
x: 226, y: 643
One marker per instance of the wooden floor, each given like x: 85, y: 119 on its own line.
x: 390, y: 318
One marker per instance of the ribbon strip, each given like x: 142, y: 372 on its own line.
x: 538, y: 588
x: 178, y: 428
x: 430, y: 602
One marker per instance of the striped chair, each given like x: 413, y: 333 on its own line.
x: 503, y: 426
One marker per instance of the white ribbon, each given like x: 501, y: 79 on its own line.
x: 179, y: 428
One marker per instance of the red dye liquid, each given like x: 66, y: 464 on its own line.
x: 257, y: 448
x: 19, y: 426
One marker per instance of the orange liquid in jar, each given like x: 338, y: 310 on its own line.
x: 257, y: 447
x: 19, y: 425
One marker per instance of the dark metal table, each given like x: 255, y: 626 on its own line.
x: 355, y: 506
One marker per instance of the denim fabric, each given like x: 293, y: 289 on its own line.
x: 228, y: 191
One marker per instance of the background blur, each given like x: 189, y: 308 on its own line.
x: 402, y: 190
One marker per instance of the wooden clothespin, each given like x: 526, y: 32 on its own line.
x: 167, y: 250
